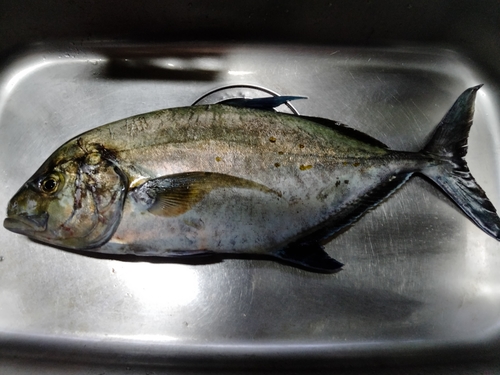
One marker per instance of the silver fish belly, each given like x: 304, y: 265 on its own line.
x: 228, y: 179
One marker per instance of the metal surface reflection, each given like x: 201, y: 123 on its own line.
x: 157, y: 286
x: 419, y: 277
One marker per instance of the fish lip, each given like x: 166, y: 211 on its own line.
x: 27, y: 224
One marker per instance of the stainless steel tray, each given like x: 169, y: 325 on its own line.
x: 421, y: 283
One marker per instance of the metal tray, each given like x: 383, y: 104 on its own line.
x: 421, y: 283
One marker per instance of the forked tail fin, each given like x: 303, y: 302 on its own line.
x: 448, y: 145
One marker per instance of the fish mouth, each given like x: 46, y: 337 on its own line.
x: 27, y: 224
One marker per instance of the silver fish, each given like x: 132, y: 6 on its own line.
x: 233, y: 178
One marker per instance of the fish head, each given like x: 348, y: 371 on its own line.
x: 74, y: 204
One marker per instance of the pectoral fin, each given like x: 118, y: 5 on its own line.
x: 175, y: 201
x: 176, y: 194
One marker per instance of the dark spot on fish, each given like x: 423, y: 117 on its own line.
x: 356, y: 164
x: 272, y: 139
x: 217, y: 159
x: 301, y: 146
x: 337, y: 184
x: 195, y: 223
x: 344, y: 163
x: 277, y: 165
x: 305, y: 167
x: 280, y: 152
x: 346, y: 181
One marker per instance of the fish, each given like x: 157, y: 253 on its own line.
x: 234, y: 177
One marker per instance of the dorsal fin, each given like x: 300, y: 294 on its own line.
x: 346, y: 130
x: 267, y: 103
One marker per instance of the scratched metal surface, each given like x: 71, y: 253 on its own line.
x: 420, y: 280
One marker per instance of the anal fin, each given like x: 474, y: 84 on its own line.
x: 355, y: 210
x: 310, y: 256
x: 307, y: 251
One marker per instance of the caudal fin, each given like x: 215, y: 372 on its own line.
x: 448, y: 145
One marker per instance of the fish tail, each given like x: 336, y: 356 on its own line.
x: 448, y: 147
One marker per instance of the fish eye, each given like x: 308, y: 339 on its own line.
x: 49, y: 184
